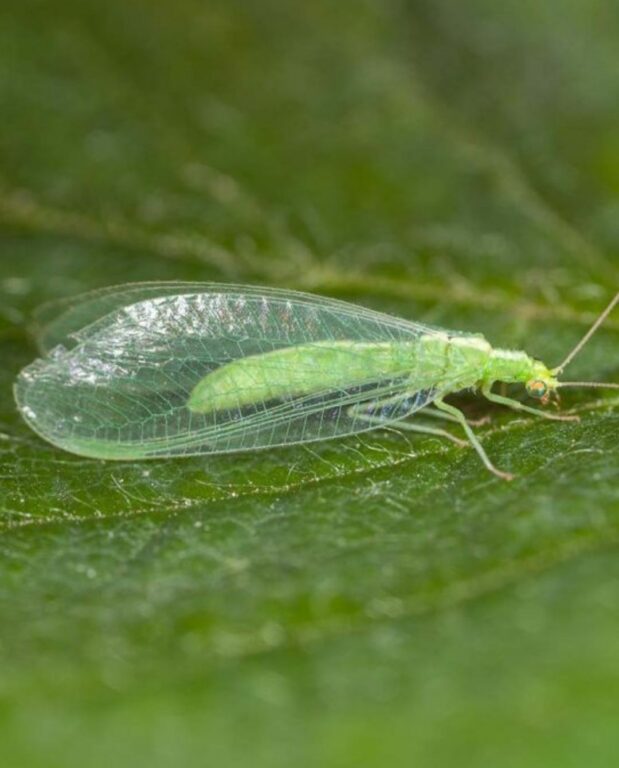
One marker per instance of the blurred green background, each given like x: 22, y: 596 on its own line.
x: 371, y: 601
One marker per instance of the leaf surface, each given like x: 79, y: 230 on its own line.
x: 377, y: 600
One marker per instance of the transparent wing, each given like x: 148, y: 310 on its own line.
x: 58, y: 322
x: 121, y: 390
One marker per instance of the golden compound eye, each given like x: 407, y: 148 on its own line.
x: 537, y: 389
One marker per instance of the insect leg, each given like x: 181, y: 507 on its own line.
x: 419, y: 428
x: 474, y: 440
x: 436, y: 414
x: 360, y: 411
x: 518, y: 406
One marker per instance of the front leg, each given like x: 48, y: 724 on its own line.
x: 516, y: 405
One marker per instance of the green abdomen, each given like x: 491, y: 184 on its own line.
x: 300, y: 370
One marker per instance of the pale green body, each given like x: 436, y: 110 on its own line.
x: 447, y: 363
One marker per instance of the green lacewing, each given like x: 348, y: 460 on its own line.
x: 155, y: 370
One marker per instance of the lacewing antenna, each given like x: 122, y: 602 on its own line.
x: 590, y: 384
x: 583, y: 341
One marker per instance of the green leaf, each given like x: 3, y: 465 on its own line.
x: 381, y: 600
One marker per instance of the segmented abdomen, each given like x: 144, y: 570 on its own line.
x: 300, y: 370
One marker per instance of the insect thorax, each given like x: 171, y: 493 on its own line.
x: 513, y: 366
x: 453, y: 361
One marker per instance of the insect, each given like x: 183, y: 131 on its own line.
x: 175, y: 369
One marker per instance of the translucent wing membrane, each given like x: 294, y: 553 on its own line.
x: 58, y: 321
x: 176, y: 369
